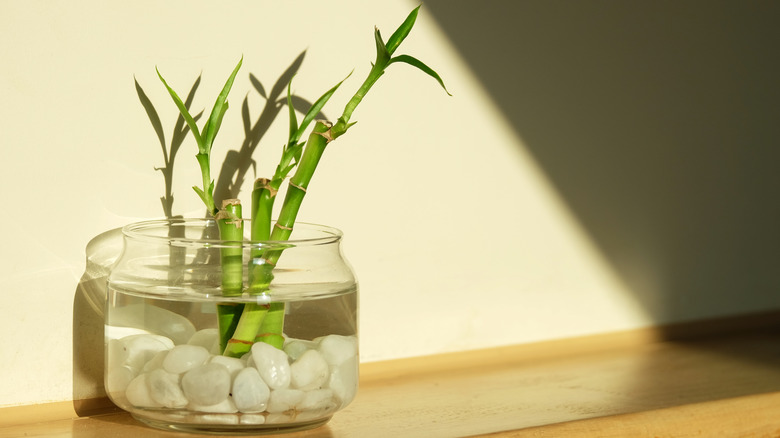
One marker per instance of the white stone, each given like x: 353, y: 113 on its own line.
x: 344, y: 381
x: 183, y: 358
x: 272, y: 364
x: 164, y: 388
x: 224, y: 407
x: 250, y: 393
x: 296, y: 347
x: 282, y: 400
x: 206, y: 338
x: 252, y: 419
x: 318, y: 399
x: 218, y: 418
x: 310, y: 371
x: 118, y: 378
x: 207, y: 384
x: 138, y: 393
x: 336, y: 349
x: 154, y: 319
x: 135, y: 350
x: 156, y: 361
x: 114, y: 332
x: 233, y: 365
x: 247, y: 358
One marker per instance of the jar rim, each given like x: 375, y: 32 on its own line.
x: 141, y: 231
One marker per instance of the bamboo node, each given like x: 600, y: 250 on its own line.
x: 282, y: 227
x: 265, y: 184
x: 229, y: 218
x: 327, y: 134
x: 301, y: 188
x: 239, y: 341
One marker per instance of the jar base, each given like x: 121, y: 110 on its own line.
x: 229, y: 429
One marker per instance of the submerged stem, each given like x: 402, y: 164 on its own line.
x: 246, y: 330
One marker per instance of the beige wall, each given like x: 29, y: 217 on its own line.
x: 562, y: 191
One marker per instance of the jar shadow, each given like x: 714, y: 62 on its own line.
x: 89, y: 395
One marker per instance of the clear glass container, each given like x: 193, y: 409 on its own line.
x: 165, y: 315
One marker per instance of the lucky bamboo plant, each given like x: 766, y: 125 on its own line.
x: 241, y: 325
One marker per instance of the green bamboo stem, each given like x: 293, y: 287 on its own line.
x: 262, y: 207
x: 246, y: 330
x: 271, y: 328
x: 231, y: 231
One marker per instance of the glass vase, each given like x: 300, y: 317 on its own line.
x: 174, y: 358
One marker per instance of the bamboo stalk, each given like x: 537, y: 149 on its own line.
x: 231, y: 231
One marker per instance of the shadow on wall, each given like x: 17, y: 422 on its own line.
x: 657, y: 123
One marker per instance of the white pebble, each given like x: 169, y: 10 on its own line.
x: 247, y: 358
x: 224, y: 407
x: 206, y: 338
x: 233, y: 365
x: 183, y: 358
x: 154, y: 319
x: 156, y: 361
x: 336, y: 349
x: 296, y: 347
x: 310, y: 371
x: 138, y: 393
x: 207, y: 384
x: 318, y: 399
x: 118, y: 378
x: 344, y: 381
x: 252, y: 419
x: 250, y: 393
x: 283, y: 400
x: 164, y: 389
x: 272, y: 364
x: 219, y: 418
x: 136, y: 350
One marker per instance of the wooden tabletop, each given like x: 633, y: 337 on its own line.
x: 705, y: 383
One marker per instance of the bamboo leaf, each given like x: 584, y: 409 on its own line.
x: 302, y: 106
x: 406, y: 59
x: 180, y: 130
x: 382, y: 54
x: 299, y: 151
x: 402, y: 32
x: 200, y: 193
x: 184, y: 112
x: 315, y: 109
x: 213, y: 129
x: 220, y: 106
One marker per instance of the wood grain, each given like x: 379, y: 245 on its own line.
x: 699, y: 383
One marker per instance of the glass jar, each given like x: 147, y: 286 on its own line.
x: 174, y: 357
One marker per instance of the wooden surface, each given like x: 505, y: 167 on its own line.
x: 722, y: 383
